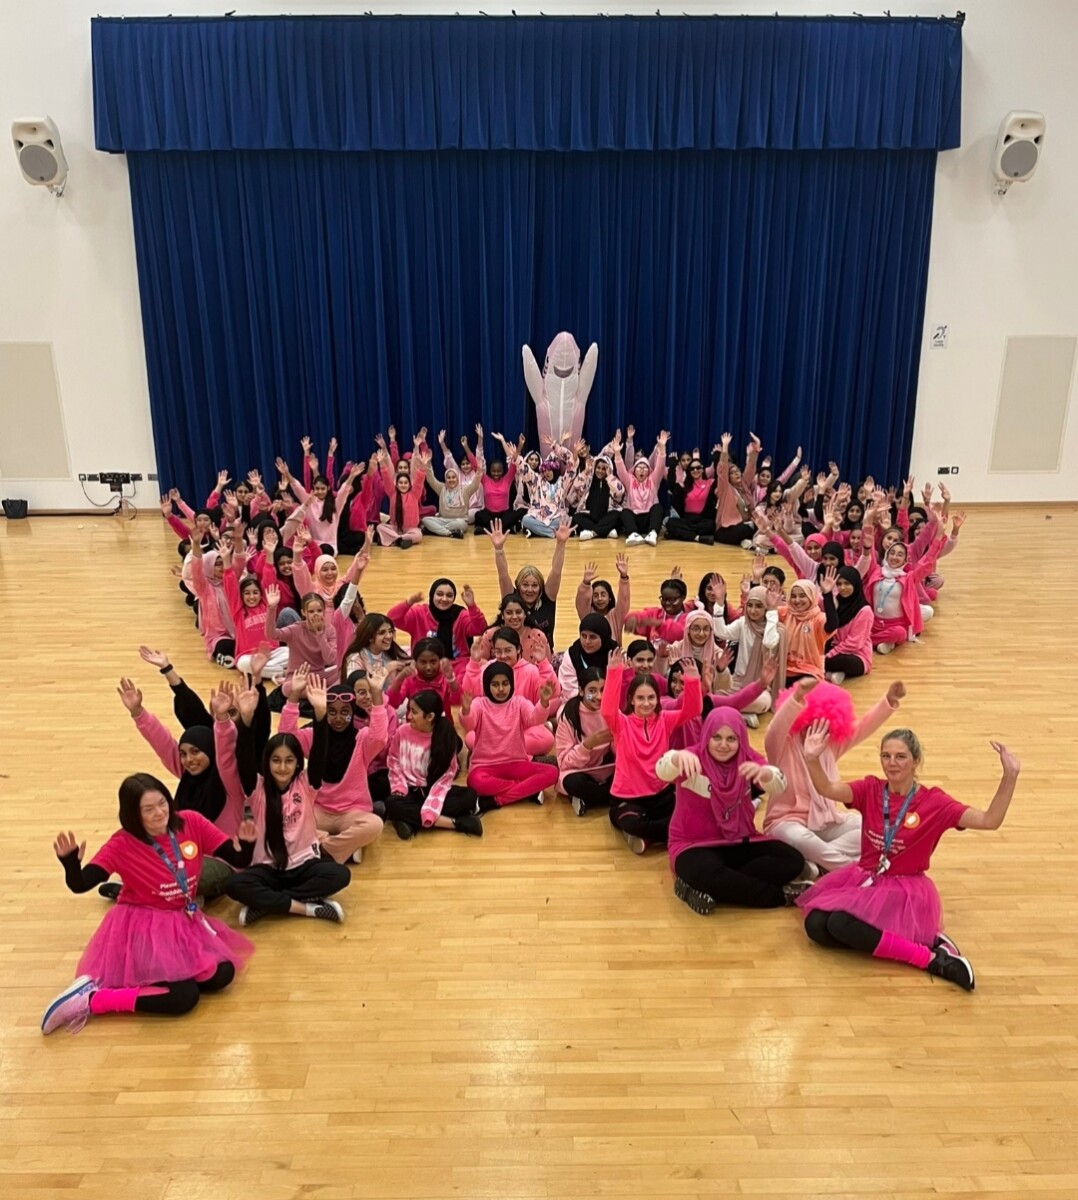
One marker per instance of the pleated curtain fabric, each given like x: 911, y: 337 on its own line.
x: 745, y: 232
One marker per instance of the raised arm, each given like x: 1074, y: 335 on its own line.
x: 817, y: 737
x: 497, y: 540
x: 557, y: 560
x: 992, y: 816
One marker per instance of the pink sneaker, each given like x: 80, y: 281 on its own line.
x: 71, y: 1007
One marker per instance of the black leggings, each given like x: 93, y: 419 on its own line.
x: 510, y: 519
x: 689, y: 527
x: 600, y: 526
x: 594, y: 792
x: 351, y: 541
x: 642, y: 523
x: 840, y: 931
x: 459, y: 802
x: 748, y: 874
x: 646, y: 817
x: 849, y: 664
x: 268, y: 890
x: 734, y: 535
x: 182, y: 994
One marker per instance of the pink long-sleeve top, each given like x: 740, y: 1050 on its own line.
x: 499, y: 728
x: 322, y: 532
x: 574, y: 756
x: 359, y: 505
x: 317, y: 650
x: 656, y: 622
x: 417, y: 622
x: 689, y: 734
x: 167, y: 749
x: 249, y: 623
x: 804, y: 566
x: 411, y: 501
x: 639, y: 742
x: 214, y: 619
x: 402, y: 690
x: 350, y: 792
x: 409, y: 759
x: 855, y: 638
x: 496, y: 491
x: 528, y: 678
x: 475, y: 500
x: 800, y: 802
x: 297, y: 804
x: 616, y: 616
x: 640, y: 497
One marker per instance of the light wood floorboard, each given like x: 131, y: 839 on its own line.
x: 534, y: 1015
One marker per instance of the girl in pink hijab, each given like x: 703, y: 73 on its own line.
x: 716, y: 853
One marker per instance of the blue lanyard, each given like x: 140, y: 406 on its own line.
x: 889, y: 829
x: 178, y: 871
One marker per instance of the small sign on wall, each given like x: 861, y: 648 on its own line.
x: 939, y: 337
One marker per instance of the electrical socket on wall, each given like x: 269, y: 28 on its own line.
x: 943, y: 471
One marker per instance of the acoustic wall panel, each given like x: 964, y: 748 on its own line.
x: 33, y: 441
x: 1034, y: 395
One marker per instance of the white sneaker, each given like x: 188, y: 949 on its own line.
x: 652, y: 539
x: 612, y: 534
x: 635, y: 844
x: 885, y: 647
x: 326, y: 910
x: 587, y: 534
x: 927, y: 613
x: 634, y: 539
x: 746, y: 544
x: 835, y: 676
x: 751, y: 720
x: 357, y: 856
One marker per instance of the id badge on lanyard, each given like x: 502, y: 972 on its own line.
x: 890, y: 829
x: 178, y: 871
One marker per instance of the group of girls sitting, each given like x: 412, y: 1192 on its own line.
x: 655, y: 733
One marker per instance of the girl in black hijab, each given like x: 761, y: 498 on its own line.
x: 849, y: 622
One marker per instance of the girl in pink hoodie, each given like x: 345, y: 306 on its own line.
x: 502, y: 771
x: 642, y: 515
x: 584, y: 746
x: 642, y: 803
x: 529, y: 680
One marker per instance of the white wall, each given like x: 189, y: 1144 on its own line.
x: 999, y: 266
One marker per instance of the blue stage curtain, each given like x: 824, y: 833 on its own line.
x: 481, y: 83
x: 311, y: 292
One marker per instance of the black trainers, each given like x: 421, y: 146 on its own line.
x: 549, y: 760
x: 378, y: 807
x: 110, y: 891
x: 791, y: 891
x: 458, y: 533
x: 328, y: 910
x: 699, y: 902
x: 469, y: 824
x: 952, y: 967
x: 404, y: 830
x: 580, y: 807
x: 941, y: 940
x: 248, y: 915
x: 487, y: 804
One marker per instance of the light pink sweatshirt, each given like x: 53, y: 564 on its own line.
x: 800, y: 802
x: 351, y: 791
x: 499, y: 728
x: 573, y: 756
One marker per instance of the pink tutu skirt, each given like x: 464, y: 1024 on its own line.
x: 906, y: 905
x: 136, y: 946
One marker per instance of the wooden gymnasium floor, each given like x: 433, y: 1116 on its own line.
x: 534, y: 1015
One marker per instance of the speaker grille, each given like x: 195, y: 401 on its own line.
x: 1019, y: 158
x: 39, y: 163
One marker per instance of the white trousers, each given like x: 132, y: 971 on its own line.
x: 833, y: 846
